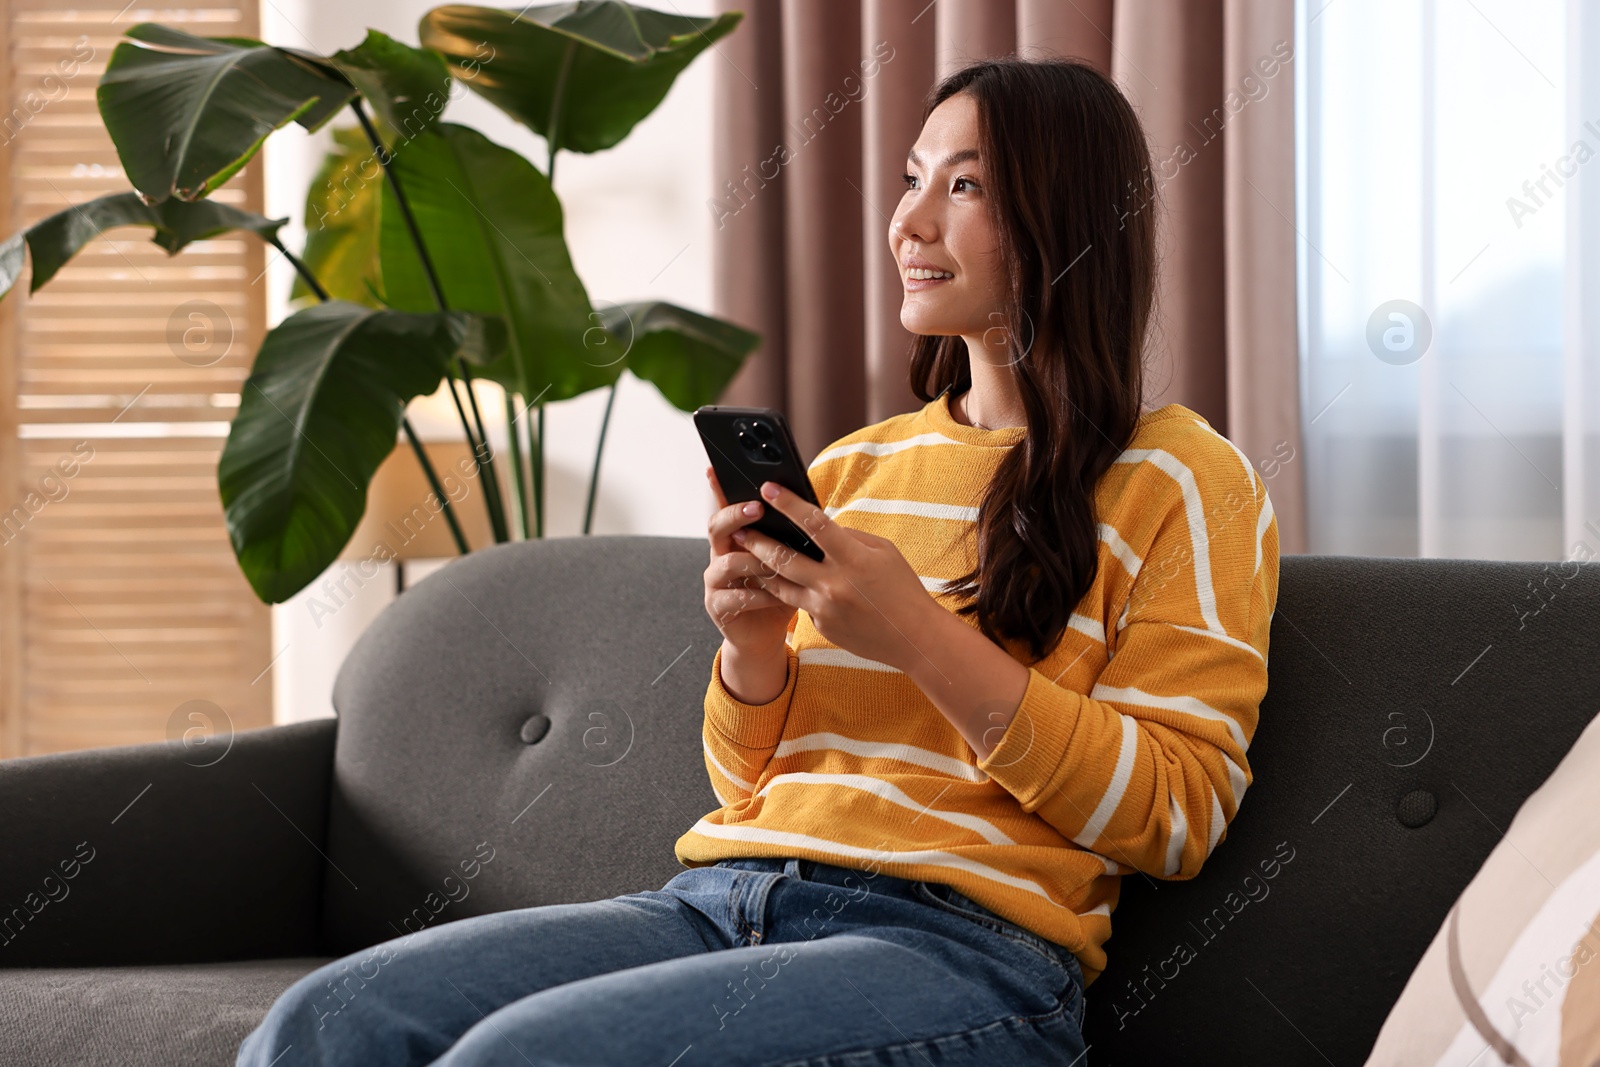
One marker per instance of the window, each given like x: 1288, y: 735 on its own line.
x: 1446, y: 188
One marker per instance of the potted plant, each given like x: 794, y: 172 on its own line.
x: 433, y: 256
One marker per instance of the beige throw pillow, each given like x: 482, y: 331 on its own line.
x: 1513, y: 975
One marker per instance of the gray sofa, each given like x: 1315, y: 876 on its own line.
x: 532, y: 713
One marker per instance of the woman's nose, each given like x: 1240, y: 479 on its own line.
x: 910, y: 226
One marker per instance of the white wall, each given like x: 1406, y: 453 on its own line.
x: 638, y: 228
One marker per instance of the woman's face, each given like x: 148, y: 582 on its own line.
x: 943, y: 223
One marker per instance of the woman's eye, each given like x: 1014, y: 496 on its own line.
x: 911, y: 182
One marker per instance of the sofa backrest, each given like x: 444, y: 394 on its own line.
x: 1412, y: 705
x: 523, y: 727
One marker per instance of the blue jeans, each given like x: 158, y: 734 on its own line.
x: 747, y: 961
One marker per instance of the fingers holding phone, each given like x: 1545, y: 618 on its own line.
x: 748, y: 616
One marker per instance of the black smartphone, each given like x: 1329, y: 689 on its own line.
x: 748, y: 446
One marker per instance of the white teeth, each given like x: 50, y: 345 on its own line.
x: 922, y: 274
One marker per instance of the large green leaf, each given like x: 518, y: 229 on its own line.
x: 493, y: 227
x: 54, y: 240
x: 618, y: 61
x: 342, y: 208
x: 409, y: 87
x: 318, y: 414
x: 186, y: 112
x: 690, y: 357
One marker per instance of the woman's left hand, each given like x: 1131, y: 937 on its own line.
x: 864, y: 596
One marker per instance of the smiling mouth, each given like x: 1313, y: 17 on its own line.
x: 920, y: 278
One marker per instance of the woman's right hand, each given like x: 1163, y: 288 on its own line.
x: 752, y: 620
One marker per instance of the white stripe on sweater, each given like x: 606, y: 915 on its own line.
x: 838, y: 657
x: 894, y: 795
x: 729, y: 775
x: 1194, y: 510
x: 1262, y: 523
x: 936, y: 761
x: 1186, y: 704
x: 1082, y: 623
x: 1126, y: 556
x: 1111, y: 865
x: 1126, y: 756
x: 1249, y: 471
x: 1224, y: 638
x: 1237, y: 783
x: 1085, y: 625
x: 935, y: 585
x: 1127, y: 752
x: 919, y: 508
x: 1178, y: 838
x: 882, y: 448
x: 1218, y: 823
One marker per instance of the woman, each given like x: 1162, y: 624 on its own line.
x: 1029, y: 664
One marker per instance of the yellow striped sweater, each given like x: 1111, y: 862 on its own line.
x: 1127, y: 753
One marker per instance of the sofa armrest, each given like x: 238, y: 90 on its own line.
x: 153, y: 853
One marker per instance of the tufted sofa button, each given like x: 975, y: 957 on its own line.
x: 1417, y: 808
x: 535, y: 728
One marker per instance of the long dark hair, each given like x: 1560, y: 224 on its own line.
x: 1071, y: 194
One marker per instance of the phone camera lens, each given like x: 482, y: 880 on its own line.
x: 771, y: 453
x: 762, y: 431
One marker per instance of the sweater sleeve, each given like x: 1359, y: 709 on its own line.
x: 740, y: 738
x: 1149, y: 767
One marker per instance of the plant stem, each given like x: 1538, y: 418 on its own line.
x: 497, y: 513
x: 519, y: 498
x: 301, y: 269
x: 553, y: 143
x: 381, y: 150
x: 482, y: 452
x: 433, y: 483
x: 483, y: 455
x: 536, y: 457
x: 594, y: 475
x: 411, y: 434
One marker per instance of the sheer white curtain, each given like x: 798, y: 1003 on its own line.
x: 1449, y: 200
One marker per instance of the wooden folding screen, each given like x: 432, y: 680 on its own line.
x: 120, y: 600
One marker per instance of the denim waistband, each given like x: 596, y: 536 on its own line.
x: 818, y: 871
x: 852, y: 877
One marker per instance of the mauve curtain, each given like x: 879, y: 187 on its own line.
x: 817, y: 103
